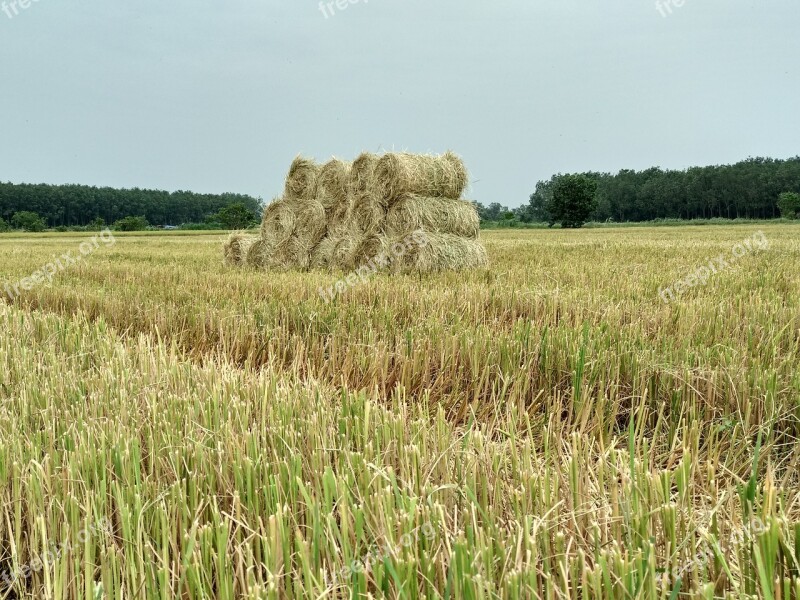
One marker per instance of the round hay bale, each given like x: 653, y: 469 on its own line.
x: 310, y: 223
x: 368, y: 248
x: 362, y: 173
x: 442, y: 176
x: 278, y: 221
x: 333, y: 182
x: 438, y: 215
x: 236, y: 247
x: 322, y: 256
x: 301, y: 181
x: 293, y: 255
x: 344, y: 257
x: 429, y: 252
x: 340, y: 217
x: 368, y: 214
x: 259, y: 254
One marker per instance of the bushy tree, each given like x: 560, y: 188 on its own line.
x: 789, y: 203
x: 97, y: 224
x: 131, y: 224
x: 3, y: 225
x: 235, y: 216
x: 540, y: 200
x: 573, y: 200
x: 27, y: 221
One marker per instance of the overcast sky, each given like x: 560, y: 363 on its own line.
x: 220, y: 96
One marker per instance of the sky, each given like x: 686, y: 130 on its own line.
x: 220, y: 96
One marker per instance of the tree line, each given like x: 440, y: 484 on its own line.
x: 81, y: 205
x: 750, y: 189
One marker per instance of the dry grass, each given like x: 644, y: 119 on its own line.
x: 561, y: 431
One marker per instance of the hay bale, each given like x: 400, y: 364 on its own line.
x: 438, y: 215
x: 301, y: 181
x: 236, y: 247
x: 322, y: 255
x: 362, y: 173
x: 344, y: 254
x: 310, y: 223
x: 278, y: 221
x: 368, y: 214
x: 340, y: 217
x: 333, y: 183
x: 259, y: 254
x: 368, y: 248
x: 429, y: 252
x: 290, y: 255
x: 293, y: 255
x: 442, y: 176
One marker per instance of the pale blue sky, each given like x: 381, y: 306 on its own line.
x: 220, y: 96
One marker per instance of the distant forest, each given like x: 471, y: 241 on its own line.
x: 75, y: 205
x: 746, y: 190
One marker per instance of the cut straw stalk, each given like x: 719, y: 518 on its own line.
x: 436, y: 215
x: 442, y: 176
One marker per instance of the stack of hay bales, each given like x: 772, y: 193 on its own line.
x: 342, y: 215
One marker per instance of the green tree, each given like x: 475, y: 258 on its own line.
x: 789, y: 203
x: 77, y: 205
x: 27, y: 221
x: 492, y: 213
x: 573, y: 200
x: 97, y: 224
x: 235, y: 216
x: 540, y: 200
x: 3, y: 225
x: 131, y: 224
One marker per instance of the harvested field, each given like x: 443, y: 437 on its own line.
x: 550, y: 423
